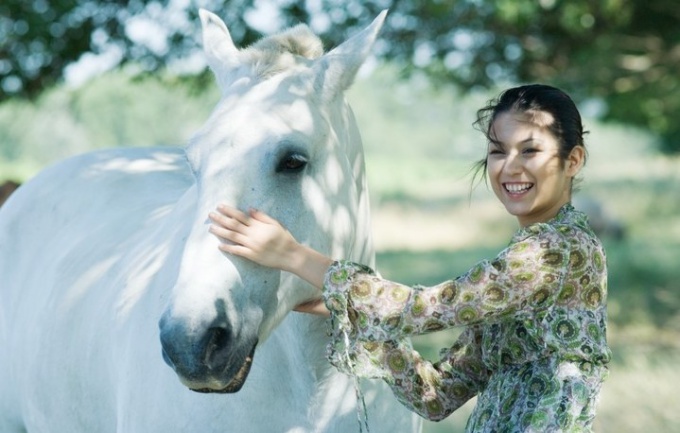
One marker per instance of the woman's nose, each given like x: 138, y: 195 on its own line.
x: 513, y: 164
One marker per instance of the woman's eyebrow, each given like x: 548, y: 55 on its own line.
x: 501, y: 145
x: 496, y: 143
x: 531, y: 139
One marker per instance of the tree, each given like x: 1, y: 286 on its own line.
x: 623, y: 53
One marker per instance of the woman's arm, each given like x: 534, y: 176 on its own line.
x: 315, y: 306
x: 526, y: 276
x: 432, y: 390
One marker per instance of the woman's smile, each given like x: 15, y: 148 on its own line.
x: 517, y: 189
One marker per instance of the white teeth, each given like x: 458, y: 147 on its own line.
x: 517, y: 187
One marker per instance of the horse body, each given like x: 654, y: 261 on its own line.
x: 63, y: 320
x: 108, y: 274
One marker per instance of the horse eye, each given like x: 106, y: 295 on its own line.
x: 292, y: 163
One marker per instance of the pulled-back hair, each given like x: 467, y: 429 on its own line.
x: 546, y: 106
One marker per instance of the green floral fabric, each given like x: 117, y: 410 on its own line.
x: 533, y: 348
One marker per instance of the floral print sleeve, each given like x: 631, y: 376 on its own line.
x: 523, y: 277
x: 432, y: 390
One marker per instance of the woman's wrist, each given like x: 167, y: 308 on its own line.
x: 309, y: 264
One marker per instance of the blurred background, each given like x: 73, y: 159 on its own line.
x: 77, y: 75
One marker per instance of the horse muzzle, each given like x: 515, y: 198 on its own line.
x: 213, y: 360
x: 234, y: 385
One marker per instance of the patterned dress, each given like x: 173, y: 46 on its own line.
x: 533, y: 347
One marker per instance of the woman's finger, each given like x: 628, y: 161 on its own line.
x: 220, y: 232
x: 236, y: 250
x: 261, y: 216
x: 218, y: 219
x: 234, y: 214
x: 230, y: 238
x: 223, y: 221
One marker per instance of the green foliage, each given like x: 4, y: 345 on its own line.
x: 39, y: 39
x: 622, y: 53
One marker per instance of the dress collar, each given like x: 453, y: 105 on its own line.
x: 566, y: 216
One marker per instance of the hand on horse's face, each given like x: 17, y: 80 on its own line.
x: 254, y: 236
x: 262, y: 239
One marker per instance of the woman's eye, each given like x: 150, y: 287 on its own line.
x: 292, y: 163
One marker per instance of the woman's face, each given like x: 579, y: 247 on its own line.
x: 524, y: 167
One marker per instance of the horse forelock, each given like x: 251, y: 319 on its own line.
x: 277, y: 53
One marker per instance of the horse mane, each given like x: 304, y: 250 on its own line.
x: 274, y: 54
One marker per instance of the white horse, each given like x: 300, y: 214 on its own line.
x: 107, y: 268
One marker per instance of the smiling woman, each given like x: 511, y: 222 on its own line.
x: 533, y: 347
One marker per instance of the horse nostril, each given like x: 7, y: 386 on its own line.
x: 216, y: 348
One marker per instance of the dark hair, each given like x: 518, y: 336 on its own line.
x: 535, y: 99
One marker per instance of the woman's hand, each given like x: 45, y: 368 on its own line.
x: 255, y: 236
x: 315, y: 306
x: 260, y: 238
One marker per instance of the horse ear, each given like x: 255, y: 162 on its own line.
x: 221, y: 53
x: 336, y: 70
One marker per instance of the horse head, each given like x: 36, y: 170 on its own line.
x: 281, y: 139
